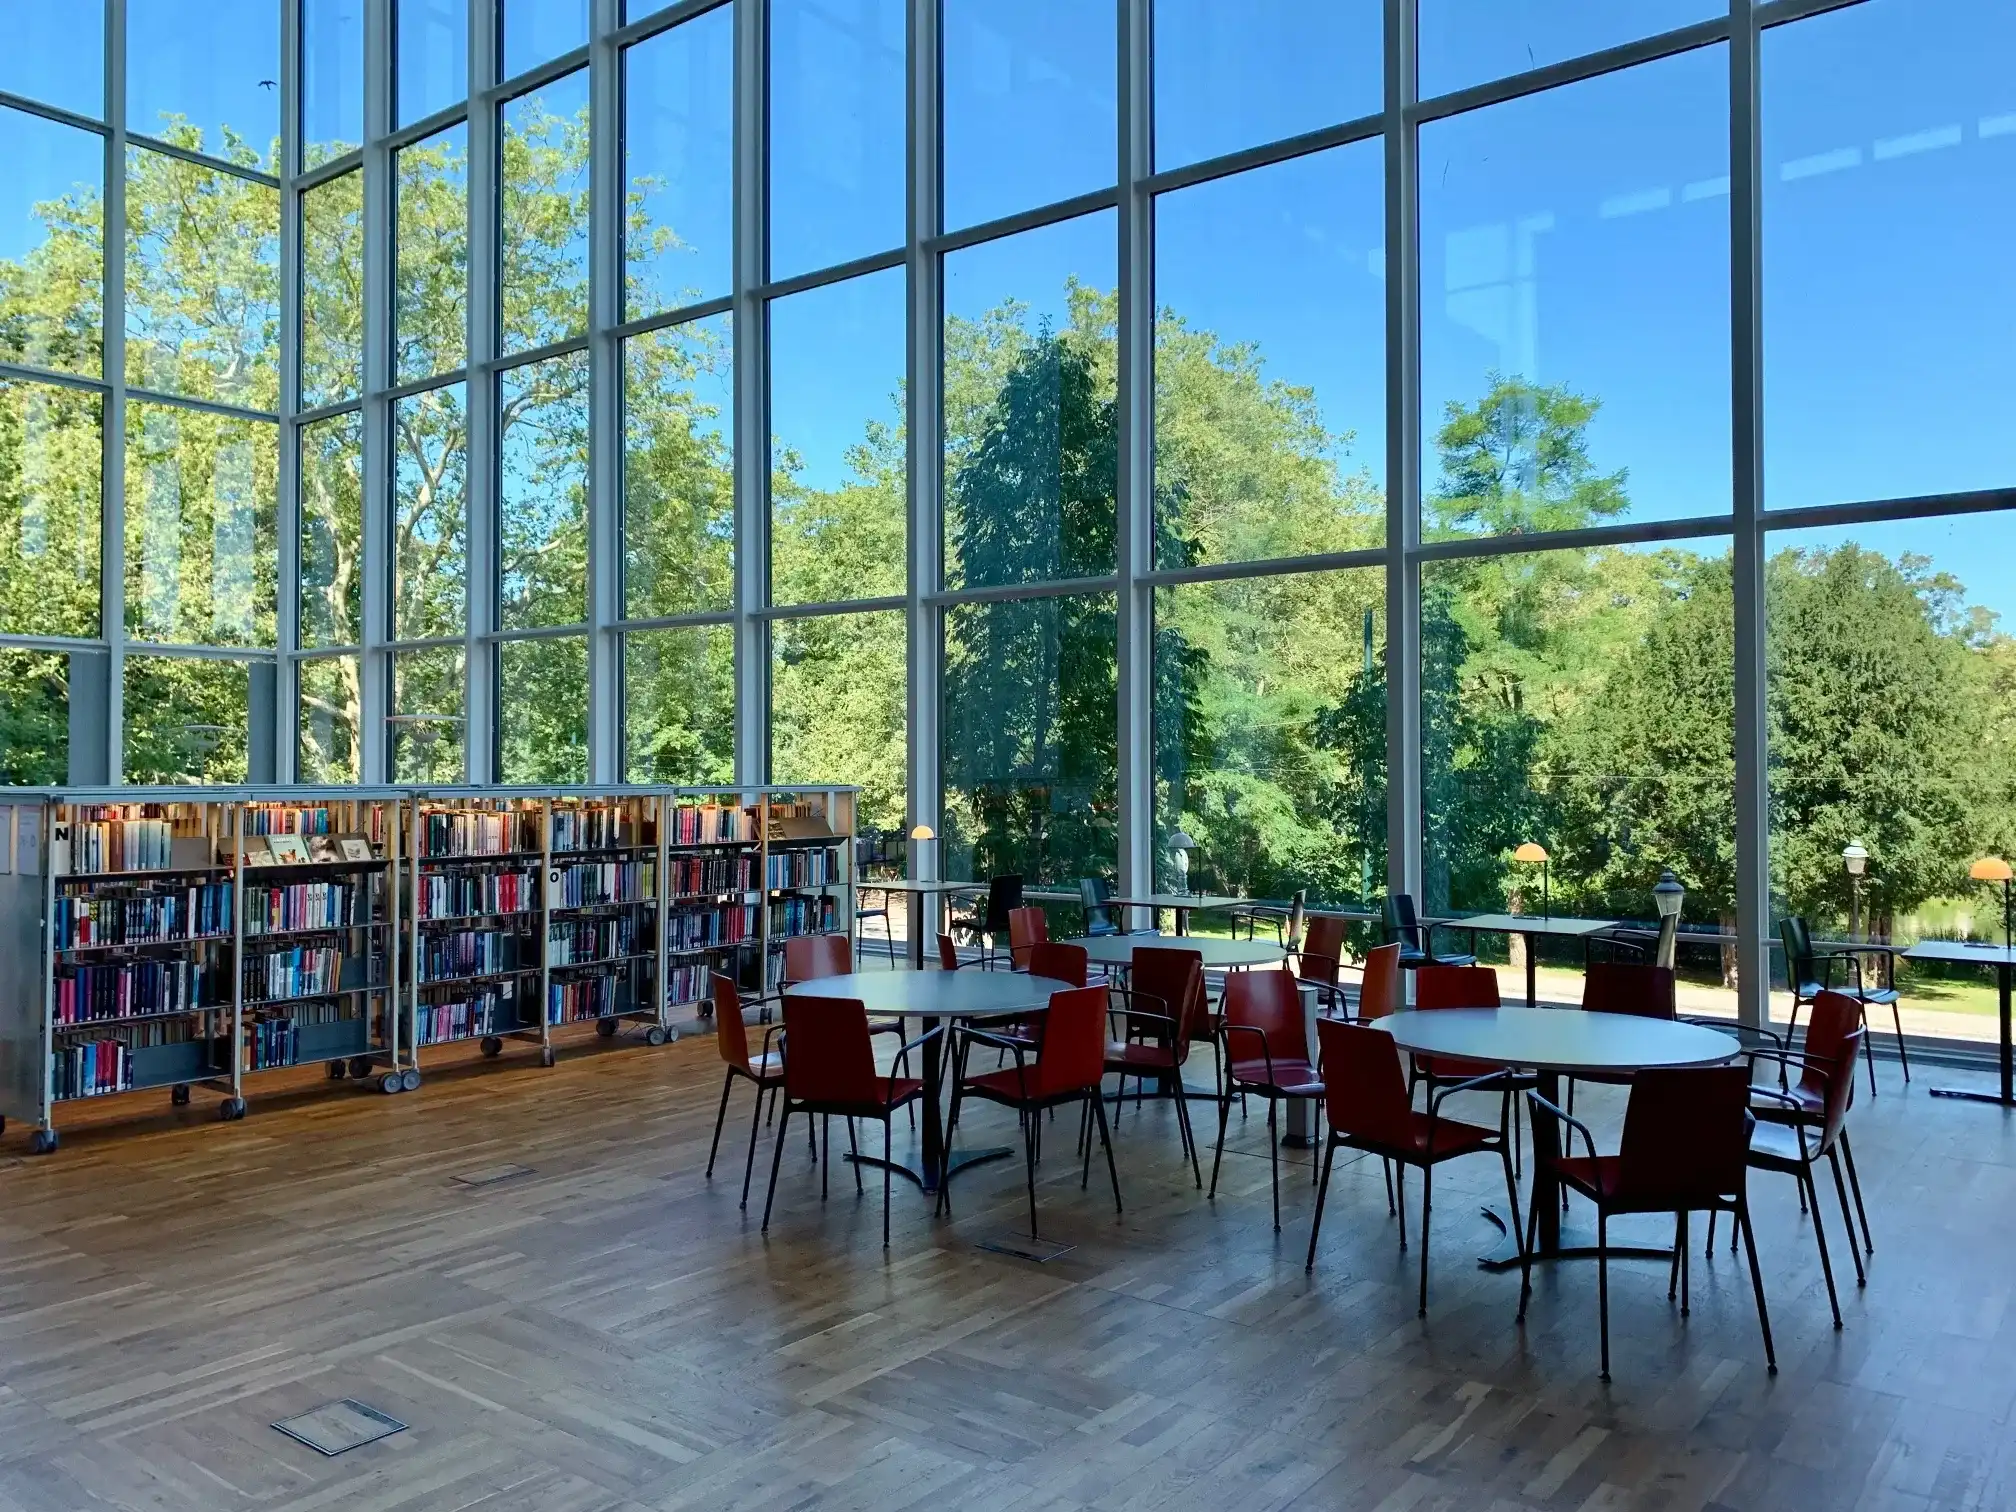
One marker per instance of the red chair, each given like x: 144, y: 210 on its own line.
x: 1685, y: 1149
x: 1631, y: 988
x: 1370, y: 1107
x: 1060, y: 961
x: 1379, y: 984
x: 1806, y: 1101
x: 807, y: 958
x: 1067, y: 1067
x: 829, y: 1070
x: 948, y: 954
x: 763, y: 1072
x: 1266, y: 1053
x: 1463, y: 987
x: 1164, y: 1013
x: 1321, y: 958
x: 1026, y: 926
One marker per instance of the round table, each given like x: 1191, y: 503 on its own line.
x: 946, y: 996
x: 1552, y: 1043
x: 1219, y: 955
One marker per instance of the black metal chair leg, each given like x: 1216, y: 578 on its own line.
x: 776, y: 1159
x: 1742, y: 1225
x: 1386, y: 1170
x: 1820, y: 1239
x: 1218, y: 1159
x: 826, y: 1149
x: 1847, y: 1218
x: 1322, y: 1191
x: 886, y: 1164
x: 1903, y: 1055
x: 720, y: 1117
x: 1603, y: 1283
x: 1273, y: 1160
x: 1855, y: 1186
x: 755, y: 1130
x: 1189, y: 1138
x: 854, y: 1149
x: 1106, y: 1139
x: 1029, y: 1152
x: 1427, y: 1208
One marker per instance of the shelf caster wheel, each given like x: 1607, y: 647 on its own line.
x: 338, y: 1070
x: 606, y: 1028
x: 42, y: 1142
x: 231, y: 1109
x: 655, y: 1036
x: 391, y: 1082
x: 409, y: 1079
x: 360, y: 1067
x: 492, y: 1046
x: 179, y: 1097
x: 546, y: 1055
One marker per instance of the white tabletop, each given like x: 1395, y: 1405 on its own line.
x: 1219, y: 955
x: 1173, y: 900
x: 1528, y: 924
x: 937, y: 994
x: 1559, y: 1039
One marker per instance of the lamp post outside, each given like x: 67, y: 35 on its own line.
x: 1667, y: 896
x: 1532, y: 851
x: 1180, y: 846
x: 1995, y: 869
x: 1855, y: 859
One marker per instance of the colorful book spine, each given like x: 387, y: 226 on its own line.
x: 461, y: 894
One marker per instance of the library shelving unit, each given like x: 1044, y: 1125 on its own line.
x: 167, y: 938
x: 713, y: 893
x: 808, y: 868
x: 605, y: 951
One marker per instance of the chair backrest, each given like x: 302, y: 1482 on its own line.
x: 948, y: 954
x: 1686, y: 1137
x: 1379, y: 990
x: 1092, y: 895
x: 1833, y: 1039
x: 1004, y: 896
x: 1059, y: 961
x: 1168, y: 981
x: 1629, y: 987
x: 1025, y: 927
x: 1402, y: 924
x: 807, y: 958
x: 1668, y: 947
x: 828, y: 1057
x: 1456, y: 987
x: 1072, y: 1057
x: 731, y: 1036
x: 1364, y: 1087
x: 1270, y: 1002
x: 1322, y: 948
x: 1798, y: 942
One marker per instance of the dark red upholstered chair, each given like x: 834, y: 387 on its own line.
x: 1463, y: 987
x: 807, y: 958
x: 1685, y: 1149
x: 948, y: 954
x: 1025, y: 927
x: 763, y: 1071
x: 829, y: 1070
x: 1806, y: 1101
x: 1321, y: 959
x: 1371, y: 1108
x: 1164, y: 1014
x: 1067, y: 1067
x: 1060, y: 961
x: 1267, y: 1054
x: 1627, y: 987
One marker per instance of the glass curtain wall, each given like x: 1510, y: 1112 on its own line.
x: 1098, y: 424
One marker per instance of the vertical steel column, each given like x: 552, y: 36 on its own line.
x: 605, y: 396
x: 752, y: 396
x: 1403, y: 459
x: 112, y: 467
x: 1135, y: 498
x: 925, y: 460
x: 1746, y: 390
x: 287, y: 516
x: 375, y: 668
x: 485, y: 272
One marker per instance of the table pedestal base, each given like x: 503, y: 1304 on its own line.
x: 1971, y: 1094
x: 960, y: 1160
x: 1572, y: 1246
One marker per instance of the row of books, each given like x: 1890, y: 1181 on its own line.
x: 490, y: 1010
x: 304, y: 971
x: 279, y: 819
x: 142, y: 917
x: 691, y: 983
x: 130, y: 989
x: 478, y: 832
x: 93, y: 1068
x: 467, y: 953
x: 584, y: 997
x: 712, y: 824
x: 600, y: 825
x: 803, y: 868
x: 803, y: 916
x: 125, y: 837
x: 588, y: 882
x: 697, y: 929
x: 707, y: 876
x: 457, y: 894
x: 306, y: 905
x: 577, y: 940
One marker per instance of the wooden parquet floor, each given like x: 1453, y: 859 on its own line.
x: 605, y: 1332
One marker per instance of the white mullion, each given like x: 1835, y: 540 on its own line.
x: 752, y: 398
x: 481, y: 659
x: 1404, y: 798
x: 605, y: 397
x: 925, y: 459
x: 112, y: 549
x: 375, y: 665
x: 287, y: 510
x: 1135, y: 479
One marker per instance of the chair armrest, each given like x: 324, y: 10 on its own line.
x: 1474, y: 1084
x: 969, y: 1035
x: 903, y: 1052
x: 1538, y: 1103
x: 776, y: 1032
x: 1226, y: 1031
x: 1729, y: 1027
x: 1784, y: 1099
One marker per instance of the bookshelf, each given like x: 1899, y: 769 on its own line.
x: 808, y: 868
x: 713, y: 894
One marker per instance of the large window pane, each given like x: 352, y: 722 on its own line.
x: 430, y: 503
x: 1029, y: 108
x: 1228, y: 77
x: 678, y: 470
x: 1030, y: 423
x: 432, y: 44
x: 1270, y: 409
x: 1466, y: 42
x: 1889, y: 312
x: 51, y: 450
x: 1584, y: 701
x: 332, y: 712
x: 679, y: 705
x: 837, y: 703
x: 52, y: 247
x: 1270, y: 735
x: 543, y: 494
x: 332, y: 291
x: 34, y: 718
x: 678, y: 164
x: 206, y: 76
x: 1890, y: 711
x: 838, y: 501
x: 542, y: 710
x: 1575, y: 280
x: 837, y: 131
x: 545, y: 188
x: 536, y: 30
x: 430, y: 293
x: 187, y: 719
x: 1029, y: 743
x: 332, y: 531
x: 332, y: 79
x: 427, y: 702
x: 56, y: 53
x: 202, y: 282
x: 200, y: 491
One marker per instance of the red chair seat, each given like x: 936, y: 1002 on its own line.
x: 890, y: 1092
x: 1006, y: 1083
x: 1137, y: 1055
x: 1777, y: 1145
x: 1290, y: 1078
x: 1593, y: 1178
x: 1454, y: 1067
x: 1452, y: 1136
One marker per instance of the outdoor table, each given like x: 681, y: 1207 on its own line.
x: 2002, y: 959
x: 1219, y: 955
x: 1531, y: 926
x: 1556, y: 1042
x: 1179, y: 903
x: 917, y: 892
